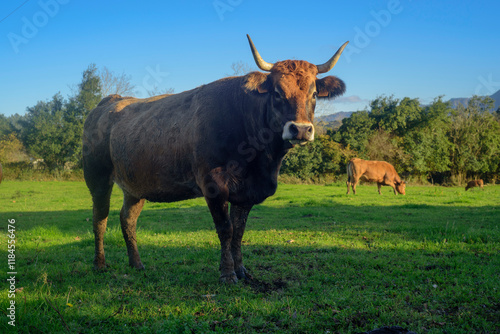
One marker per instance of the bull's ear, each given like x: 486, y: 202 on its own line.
x: 330, y: 87
x: 257, y: 82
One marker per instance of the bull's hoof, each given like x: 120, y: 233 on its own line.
x: 243, y: 274
x: 137, y: 265
x: 228, y: 278
x: 100, y: 265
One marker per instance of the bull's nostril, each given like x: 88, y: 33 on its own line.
x: 309, y: 129
x: 294, y: 131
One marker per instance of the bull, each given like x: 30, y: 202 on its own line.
x: 474, y: 183
x: 223, y: 141
x: 381, y: 172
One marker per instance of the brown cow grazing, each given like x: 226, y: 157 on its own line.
x: 224, y: 141
x: 474, y: 183
x: 374, y: 171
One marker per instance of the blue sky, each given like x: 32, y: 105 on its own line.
x: 402, y: 48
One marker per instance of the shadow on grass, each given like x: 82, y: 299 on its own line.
x: 181, y: 284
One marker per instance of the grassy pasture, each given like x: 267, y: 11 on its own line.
x: 322, y: 262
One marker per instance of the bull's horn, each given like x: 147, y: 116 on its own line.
x: 263, y: 65
x: 323, y: 68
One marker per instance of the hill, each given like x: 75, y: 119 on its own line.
x: 333, y: 120
x: 455, y: 102
x: 496, y: 97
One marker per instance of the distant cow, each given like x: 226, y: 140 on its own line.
x: 374, y: 171
x: 474, y: 183
x: 224, y: 141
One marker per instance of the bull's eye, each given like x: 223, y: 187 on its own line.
x: 315, y: 95
x: 276, y: 95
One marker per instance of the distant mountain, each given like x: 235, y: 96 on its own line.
x: 496, y: 97
x: 338, y: 116
x: 455, y: 102
x: 333, y: 121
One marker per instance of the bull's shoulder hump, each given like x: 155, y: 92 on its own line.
x: 110, y: 99
x: 116, y: 103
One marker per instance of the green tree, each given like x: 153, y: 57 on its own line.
x: 88, y: 96
x: 5, y: 126
x: 11, y: 148
x: 383, y: 146
x: 427, y: 143
x: 47, y: 134
x: 475, y: 135
x: 52, y: 130
x: 301, y: 161
x: 395, y: 116
x: 355, y: 131
x: 323, y: 156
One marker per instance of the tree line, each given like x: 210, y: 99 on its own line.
x: 432, y: 142
x: 427, y: 143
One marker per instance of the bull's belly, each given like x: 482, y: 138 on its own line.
x: 155, y: 190
x: 371, y: 178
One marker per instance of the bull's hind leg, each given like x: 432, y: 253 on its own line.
x: 354, y: 183
x: 131, y: 210
x: 239, y: 217
x: 100, y: 189
x: 100, y: 220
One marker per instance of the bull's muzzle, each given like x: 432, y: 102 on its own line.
x: 298, y: 132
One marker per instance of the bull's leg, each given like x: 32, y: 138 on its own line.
x: 354, y: 184
x: 224, y: 229
x: 216, y: 195
x: 131, y: 210
x: 239, y: 217
x: 348, y: 185
x: 100, y: 211
x: 379, y: 185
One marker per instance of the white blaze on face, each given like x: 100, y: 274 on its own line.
x: 298, y: 132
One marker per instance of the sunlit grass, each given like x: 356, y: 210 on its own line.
x: 321, y: 260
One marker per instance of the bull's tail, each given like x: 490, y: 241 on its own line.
x: 350, y: 177
x: 350, y: 172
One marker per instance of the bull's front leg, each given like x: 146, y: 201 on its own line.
x: 218, y: 205
x: 239, y: 215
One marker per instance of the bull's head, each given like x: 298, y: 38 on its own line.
x: 292, y: 89
x: 400, y: 187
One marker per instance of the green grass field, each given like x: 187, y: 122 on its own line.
x: 322, y: 262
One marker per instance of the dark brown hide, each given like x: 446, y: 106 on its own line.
x: 224, y: 141
x: 474, y: 183
x: 374, y: 171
